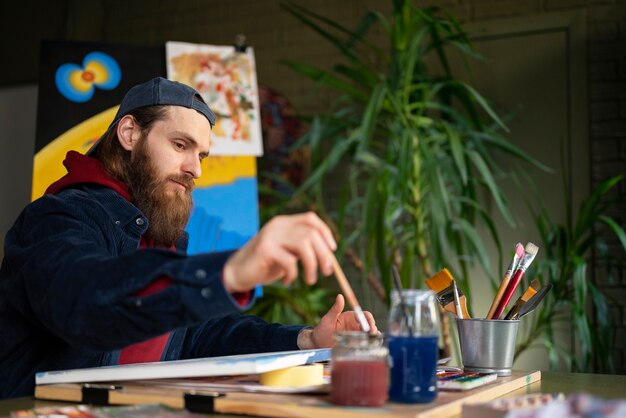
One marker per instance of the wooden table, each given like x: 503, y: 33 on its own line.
x: 605, y: 386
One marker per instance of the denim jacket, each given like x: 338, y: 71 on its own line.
x: 71, y: 267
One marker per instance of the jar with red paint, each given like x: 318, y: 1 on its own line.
x: 359, y: 370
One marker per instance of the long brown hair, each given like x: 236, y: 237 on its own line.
x: 110, y: 152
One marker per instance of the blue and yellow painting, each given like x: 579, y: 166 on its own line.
x: 78, y: 83
x: 225, y: 215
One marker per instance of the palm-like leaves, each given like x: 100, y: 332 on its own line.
x: 297, y: 304
x: 418, y: 152
x: 574, y: 299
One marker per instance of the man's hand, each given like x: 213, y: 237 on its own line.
x: 323, y: 335
x: 273, y: 253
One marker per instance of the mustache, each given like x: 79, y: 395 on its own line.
x: 185, y: 180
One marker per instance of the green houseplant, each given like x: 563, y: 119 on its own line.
x: 417, y: 146
x: 574, y: 299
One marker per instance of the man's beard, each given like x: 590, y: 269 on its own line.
x: 167, y: 215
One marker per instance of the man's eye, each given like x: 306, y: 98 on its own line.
x: 179, y: 145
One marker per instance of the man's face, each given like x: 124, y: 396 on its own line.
x: 164, y: 164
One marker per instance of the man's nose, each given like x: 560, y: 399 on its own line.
x: 193, y: 167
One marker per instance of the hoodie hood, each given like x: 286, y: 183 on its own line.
x: 82, y: 169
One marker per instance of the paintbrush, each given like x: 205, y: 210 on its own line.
x: 529, y: 293
x: 457, y: 301
x: 532, y: 304
x: 519, y: 253
x: 349, y: 294
x: 530, y: 251
x: 398, y: 283
x: 442, y: 284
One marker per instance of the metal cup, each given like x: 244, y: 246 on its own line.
x: 487, y: 346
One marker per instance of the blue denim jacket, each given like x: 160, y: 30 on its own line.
x: 71, y: 266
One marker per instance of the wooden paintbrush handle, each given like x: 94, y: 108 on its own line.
x: 344, y: 284
x: 515, y: 309
x: 452, y: 309
x: 496, y: 300
x: 508, y: 294
x: 463, y: 303
x: 347, y: 291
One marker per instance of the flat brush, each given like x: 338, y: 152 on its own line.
x: 442, y: 283
x: 519, y: 254
x: 529, y: 293
x: 530, y: 251
x: 532, y: 304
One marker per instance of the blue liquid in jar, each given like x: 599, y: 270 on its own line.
x: 413, y: 369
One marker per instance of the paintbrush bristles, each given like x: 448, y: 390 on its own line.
x: 531, y: 249
x: 519, y: 252
x: 440, y: 281
x: 443, y: 284
x: 529, y: 293
x: 534, y: 286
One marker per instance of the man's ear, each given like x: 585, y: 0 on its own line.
x: 128, y: 132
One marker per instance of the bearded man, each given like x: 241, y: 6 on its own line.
x: 95, y: 272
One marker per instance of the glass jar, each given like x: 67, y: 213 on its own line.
x: 359, y: 370
x: 413, y: 349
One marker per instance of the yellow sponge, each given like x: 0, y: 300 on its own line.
x: 307, y: 375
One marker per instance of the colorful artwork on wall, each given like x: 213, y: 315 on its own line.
x: 226, y: 79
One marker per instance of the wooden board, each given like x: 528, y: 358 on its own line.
x: 279, y: 405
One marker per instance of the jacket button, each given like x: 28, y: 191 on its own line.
x: 117, y: 222
x: 200, y: 274
x: 139, y: 221
x: 206, y: 292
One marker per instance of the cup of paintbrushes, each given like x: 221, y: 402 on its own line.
x: 488, y: 345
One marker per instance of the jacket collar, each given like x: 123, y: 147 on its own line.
x: 130, y: 218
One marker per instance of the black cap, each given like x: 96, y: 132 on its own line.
x: 160, y: 91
